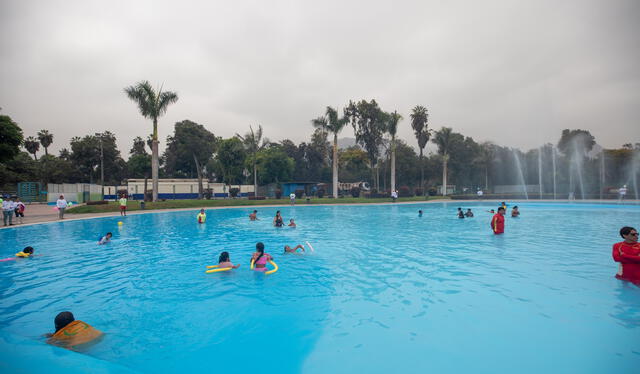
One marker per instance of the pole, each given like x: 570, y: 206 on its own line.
x: 101, y: 166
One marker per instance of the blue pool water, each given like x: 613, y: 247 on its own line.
x: 385, y: 291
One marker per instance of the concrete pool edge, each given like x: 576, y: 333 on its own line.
x: 87, y: 216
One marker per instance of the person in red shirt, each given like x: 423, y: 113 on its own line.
x: 497, y: 222
x: 627, y: 253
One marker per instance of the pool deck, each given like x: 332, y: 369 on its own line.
x: 42, y: 213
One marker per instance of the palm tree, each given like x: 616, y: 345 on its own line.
x: 45, y: 139
x: 392, y: 128
x: 333, y: 123
x: 253, y: 142
x: 32, y: 145
x: 443, y: 139
x: 420, y: 125
x: 152, y: 105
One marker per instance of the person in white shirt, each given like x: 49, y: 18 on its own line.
x: 394, y: 195
x: 480, y: 193
x: 292, y: 198
x: 62, y: 205
x: 623, y: 192
x: 8, y: 209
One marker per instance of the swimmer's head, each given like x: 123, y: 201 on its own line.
x: 255, y: 211
x: 291, y: 220
x: 501, y: 209
x: 259, y: 247
x: 515, y: 207
x: 109, y: 235
x: 28, y: 250
x: 468, y: 210
x: 63, y: 319
x: 224, y: 257
x: 277, y: 212
x: 459, y: 208
x: 201, y: 210
x: 629, y: 233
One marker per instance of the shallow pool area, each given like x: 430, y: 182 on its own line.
x: 385, y: 291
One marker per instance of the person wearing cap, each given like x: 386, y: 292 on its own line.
x: 61, y: 204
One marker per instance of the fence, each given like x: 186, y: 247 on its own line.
x: 77, y: 193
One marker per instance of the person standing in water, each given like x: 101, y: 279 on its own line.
x: 460, y: 213
x: 497, y: 222
x: 627, y: 253
x: 253, y: 216
x: 515, y: 212
x: 202, y: 216
x: 260, y: 258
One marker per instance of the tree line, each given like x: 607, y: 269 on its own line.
x: 378, y: 157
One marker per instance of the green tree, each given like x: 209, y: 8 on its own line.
x: 231, y: 157
x: 392, y: 128
x: 354, y: 165
x: 32, y: 146
x: 152, y: 105
x: 19, y: 168
x: 138, y: 147
x: 420, y: 124
x: 45, y: 138
x: 333, y: 123
x: 580, y: 141
x: 369, y: 126
x: 484, y: 159
x: 10, y: 138
x: 443, y: 139
x: 274, y: 165
x: 189, y: 149
x: 254, y: 143
x: 139, y: 166
x: 53, y: 169
x: 85, y: 155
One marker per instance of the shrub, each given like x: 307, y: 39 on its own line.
x: 299, y: 194
x: 433, y: 191
x: 404, y: 191
x: 419, y: 191
x: 234, y: 191
x: 355, y: 191
x: 278, y: 194
x: 321, y: 192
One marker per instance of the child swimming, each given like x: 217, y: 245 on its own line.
x: 292, y: 223
x: 288, y: 249
x: 26, y: 252
x: 105, y: 239
x: 225, y: 262
x: 260, y: 258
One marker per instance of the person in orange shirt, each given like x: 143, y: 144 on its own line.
x: 627, y: 253
x: 71, y: 333
x: 497, y: 222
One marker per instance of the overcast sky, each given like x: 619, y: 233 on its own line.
x: 513, y: 72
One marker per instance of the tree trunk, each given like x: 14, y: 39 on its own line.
x: 335, y: 165
x: 444, y: 174
x: 421, y: 172
x: 35, y: 156
x: 486, y: 179
x: 154, y: 161
x: 199, y: 171
x: 255, y: 177
x: 144, y: 193
x: 393, y: 165
x: 46, y: 153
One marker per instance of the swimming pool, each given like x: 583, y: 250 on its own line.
x: 385, y: 291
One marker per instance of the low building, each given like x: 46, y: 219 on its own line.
x: 176, y: 189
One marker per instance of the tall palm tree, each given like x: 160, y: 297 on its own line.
x: 333, y: 123
x: 443, y: 139
x: 32, y: 145
x: 420, y: 125
x: 392, y: 128
x: 152, y: 105
x: 253, y: 142
x: 46, y: 139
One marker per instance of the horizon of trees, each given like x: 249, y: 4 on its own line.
x: 194, y: 151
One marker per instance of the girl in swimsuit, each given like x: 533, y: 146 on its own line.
x: 260, y: 258
x: 225, y: 262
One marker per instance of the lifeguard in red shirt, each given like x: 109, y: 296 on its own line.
x: 497, y: 222
x: 627, y: 253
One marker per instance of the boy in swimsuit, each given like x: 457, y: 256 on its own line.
x: 105, y: 239
x: 253, y: 216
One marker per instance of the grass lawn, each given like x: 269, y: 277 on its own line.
x: 177, y: 204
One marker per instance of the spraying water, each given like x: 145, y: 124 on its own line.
x: 520, y: 174
x: 576, y: 161
x: 602, y: 174
x: 540, y: 172
x: 553, y: 162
